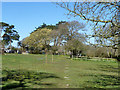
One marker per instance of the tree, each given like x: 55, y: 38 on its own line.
x: 75, y: 38
x: 75, y: 46
x: 64, y: 32
x: 58, y: 35
x: 97, y: 13
x: 3, y: 26
x: 74, y: 30
x: 38, y: 39
x: 89, y: 11
x: 10, y: 33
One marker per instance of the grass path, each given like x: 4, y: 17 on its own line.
x: 71, y: 73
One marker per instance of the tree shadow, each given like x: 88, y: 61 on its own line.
x: 104, y: 81
x: 13, y: 86
x: 109, y: 68
x: 24, y: 77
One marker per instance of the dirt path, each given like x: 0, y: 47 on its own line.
x: 66, y: 77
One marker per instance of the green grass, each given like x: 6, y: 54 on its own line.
x: 81, y: 73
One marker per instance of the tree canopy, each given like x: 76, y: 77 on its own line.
x: 10, y: 33
x: 38, y: 39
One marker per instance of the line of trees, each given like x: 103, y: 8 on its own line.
x: 61, y: 35
x: 63, y: 38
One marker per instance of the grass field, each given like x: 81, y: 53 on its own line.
x: 62, y: 72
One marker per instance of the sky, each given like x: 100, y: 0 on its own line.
x: 25, y: 16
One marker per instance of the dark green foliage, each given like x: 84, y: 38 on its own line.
x: 45, y: 26
x: 60, y: 22
x: 3, y: 25
x: 49, y: 26
x: 10, y: 33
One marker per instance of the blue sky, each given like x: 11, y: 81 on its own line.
x: 28, y: 15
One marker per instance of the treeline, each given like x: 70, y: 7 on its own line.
x: 65, y: 38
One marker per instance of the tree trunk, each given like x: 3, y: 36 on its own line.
x: 52, y: 58
x: 10, y: 45
x: 108, y: 52
x: 46, y: 54
x: 46, y: 58
x: 111, y: 52
x: 115, y: 53
x: 2, y: 50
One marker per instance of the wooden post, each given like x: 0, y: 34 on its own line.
x: 46, y: 58
x: 10, y: 45
x: 52, y: 58
x: 46, y: 55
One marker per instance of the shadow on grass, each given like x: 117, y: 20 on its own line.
x: 104, y: 81
x: 13, y: 86
x: 24, y: 77
x: 108, y: 68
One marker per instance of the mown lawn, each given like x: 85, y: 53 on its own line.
x: 62, y: 72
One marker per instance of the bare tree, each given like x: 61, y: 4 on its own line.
x: 74, y: 37
x: 100, y: 15
x: 58, y: 35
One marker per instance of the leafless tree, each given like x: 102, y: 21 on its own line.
x: 100, y: 15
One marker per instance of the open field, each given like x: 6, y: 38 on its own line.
x: 62, y: 72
